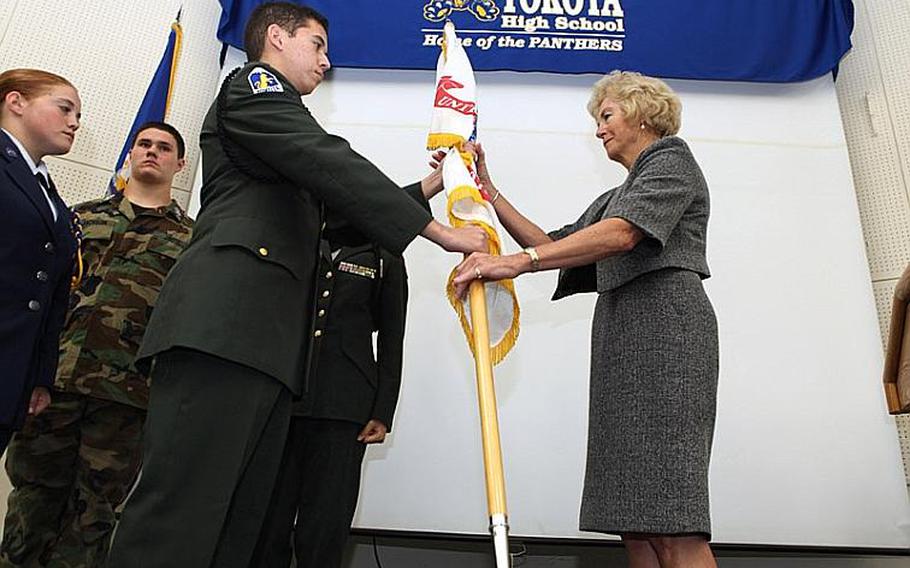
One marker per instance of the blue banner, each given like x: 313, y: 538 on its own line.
x: 730, y: 40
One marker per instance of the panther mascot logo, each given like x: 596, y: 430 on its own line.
x: 439, y: 10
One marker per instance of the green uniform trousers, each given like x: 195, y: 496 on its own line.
x: 213, y: 444
x: 315, y: 496
x: 70, y: 467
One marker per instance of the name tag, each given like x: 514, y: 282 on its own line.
x: 352, y: 268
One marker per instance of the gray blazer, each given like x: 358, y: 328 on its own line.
x: 666, y: 196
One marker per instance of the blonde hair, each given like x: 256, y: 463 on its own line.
x: 641, y: 98
x: 30, y: 82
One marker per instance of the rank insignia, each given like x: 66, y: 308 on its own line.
x: 262, y: 81
x: 11, y: 153
x: 352, y: 268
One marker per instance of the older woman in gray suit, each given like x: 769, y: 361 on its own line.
x: 654, y: 350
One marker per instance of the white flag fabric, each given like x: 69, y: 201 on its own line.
x: 454, y: 123
x: 455, y: 101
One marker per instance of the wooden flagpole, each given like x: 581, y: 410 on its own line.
x: 489, y: 426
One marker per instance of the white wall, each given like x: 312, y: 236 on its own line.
x: 110, y: 50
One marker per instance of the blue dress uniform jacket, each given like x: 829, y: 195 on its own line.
x: 244, y: 289
x: 36, y: 264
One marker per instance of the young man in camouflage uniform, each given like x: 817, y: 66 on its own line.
x: 74, y: 464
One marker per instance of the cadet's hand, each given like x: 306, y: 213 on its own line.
x: 481, y: 266
x: 41, y: 399
x: 432, y: 184
x: 466, y: 239
x: 373, y: 433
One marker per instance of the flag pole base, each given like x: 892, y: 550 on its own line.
x: 499, y: 528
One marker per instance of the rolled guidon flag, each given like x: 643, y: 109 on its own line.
x: 454, y: 123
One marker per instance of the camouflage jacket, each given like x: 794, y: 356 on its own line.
x: 126, y: 258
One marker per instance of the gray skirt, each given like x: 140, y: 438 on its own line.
x: 653, y: 395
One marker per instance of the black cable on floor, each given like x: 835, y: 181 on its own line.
x: 376, y: 553
x: 518, y: 557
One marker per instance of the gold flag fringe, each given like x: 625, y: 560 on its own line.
x: 436, y: 140
x: 498, y: 351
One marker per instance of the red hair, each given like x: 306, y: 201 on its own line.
x: 30, y: 82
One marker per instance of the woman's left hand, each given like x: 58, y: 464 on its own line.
x: 482, y: 266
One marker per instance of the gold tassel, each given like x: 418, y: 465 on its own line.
x: 499, y: 351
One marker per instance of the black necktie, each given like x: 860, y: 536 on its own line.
x: 43, y: 182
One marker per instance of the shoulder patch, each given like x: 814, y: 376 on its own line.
x: 263, y: 81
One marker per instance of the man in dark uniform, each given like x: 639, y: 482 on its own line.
x: 234, y: 323
x: 350, y: 403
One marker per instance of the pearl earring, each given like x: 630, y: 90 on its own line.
x: 642, y: 125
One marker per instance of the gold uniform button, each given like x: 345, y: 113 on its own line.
x: 317, y: 333
x: 325, y: 294
x: 328, y: 274
x: 263, y: 251
x: 321, y: 313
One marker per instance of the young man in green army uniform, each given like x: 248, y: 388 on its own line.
x: 350, y: 403
x: 234, y: 325
x: 73, y: 465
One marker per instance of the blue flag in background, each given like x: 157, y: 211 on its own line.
x: 155, y: 105
x: 726, y: 40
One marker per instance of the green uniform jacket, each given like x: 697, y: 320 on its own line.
x: 361, y: 290
x: 244, y: 289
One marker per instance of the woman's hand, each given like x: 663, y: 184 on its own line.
x: 432, y: 184
x: 480, y: 161
x: 482, y: 266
